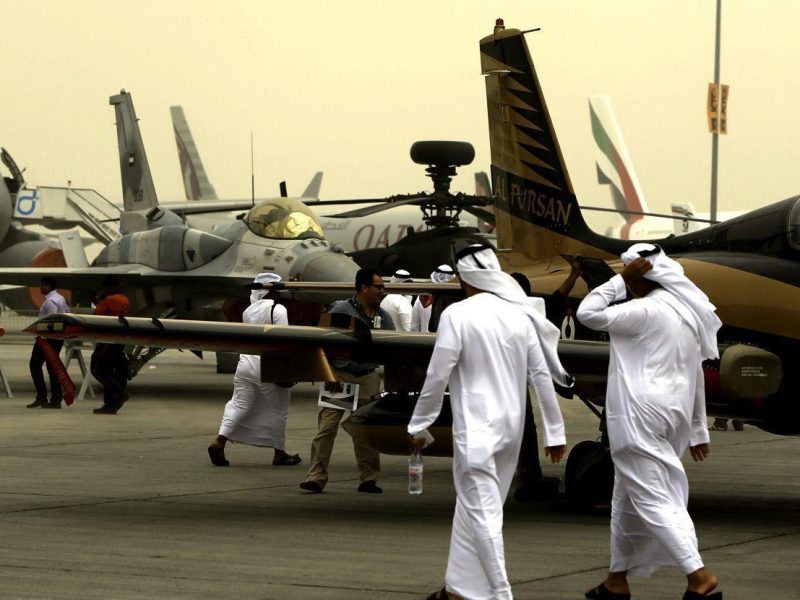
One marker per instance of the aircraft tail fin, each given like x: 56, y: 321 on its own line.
x: 72, y: 249
x: 195, y: 180
x: 314, y: 186
x: 614, y: 164
x: 483, y: 186
x: 683, y: 211
x: 537, y: 211
x: 138, y: 191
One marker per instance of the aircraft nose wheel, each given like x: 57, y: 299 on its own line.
x: 589, y: 476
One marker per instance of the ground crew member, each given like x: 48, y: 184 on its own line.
x: 109, y: 364
x: 53, y: 303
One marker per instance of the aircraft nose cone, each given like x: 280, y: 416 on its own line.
x: 330, y: 266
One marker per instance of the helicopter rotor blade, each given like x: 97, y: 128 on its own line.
x: 371, y: 210
x: 318, y: 203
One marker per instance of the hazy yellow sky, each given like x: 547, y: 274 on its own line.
x: 347, y: 87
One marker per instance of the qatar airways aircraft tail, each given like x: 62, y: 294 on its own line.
x: 195, y: 180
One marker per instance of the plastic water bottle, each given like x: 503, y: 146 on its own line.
x: 415, y: 473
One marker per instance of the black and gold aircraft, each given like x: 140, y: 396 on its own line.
x: 749, y: 267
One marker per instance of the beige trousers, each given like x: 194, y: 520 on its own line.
x: 367, y: 459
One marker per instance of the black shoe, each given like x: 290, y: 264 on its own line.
x: 217, y: 456
x: 690, y: 595
x: 370, y: 487
x: 601, y: 592
x: 52, y: 404
x: 124, y: 396
x: 106, y: 409
x: 311, y: 486
x: 38, y: 402
x: 538, y: 490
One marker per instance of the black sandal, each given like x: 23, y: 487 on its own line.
x: 601, y: 592
x: 288, y: 460
x: 690, y: 595
x: 217, y: 456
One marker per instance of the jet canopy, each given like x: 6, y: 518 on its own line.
x: 283, y: 219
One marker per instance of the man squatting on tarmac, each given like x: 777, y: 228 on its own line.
x: 656, y: 409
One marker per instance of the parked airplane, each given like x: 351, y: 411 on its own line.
x: 352, y: 234
x: 749, y: 266
x: 170, y: 269
x: 615, y: 169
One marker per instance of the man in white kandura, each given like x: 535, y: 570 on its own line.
x: 398, y: 305
x: 257, y: 413
x: 489, y: 347
x: 655, y: 410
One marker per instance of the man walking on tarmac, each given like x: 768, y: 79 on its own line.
x: 489, y: 347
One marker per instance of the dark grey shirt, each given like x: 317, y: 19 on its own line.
x: 353, y: 308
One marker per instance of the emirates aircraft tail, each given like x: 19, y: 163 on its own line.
x: 614, y: 164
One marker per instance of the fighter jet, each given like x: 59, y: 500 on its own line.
x: 352, y: 233
x: 169, y: 269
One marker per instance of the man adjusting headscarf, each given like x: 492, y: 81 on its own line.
x: 669, y: 275
x: 488, y: 350
x: 655, y: 410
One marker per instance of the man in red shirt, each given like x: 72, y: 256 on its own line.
x: 109, y: 364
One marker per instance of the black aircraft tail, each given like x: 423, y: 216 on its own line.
x: 537, y: 211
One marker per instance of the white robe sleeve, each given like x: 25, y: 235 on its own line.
x: 628, y: 318
x: 444, y: 359
x: 403, y: 316
x: 416, y: 314
x: 699, y: 427
x: 280, y: 316
x: 542, y: 383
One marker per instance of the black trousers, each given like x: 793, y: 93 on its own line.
x: 110, y: 367
x: 36, y: 362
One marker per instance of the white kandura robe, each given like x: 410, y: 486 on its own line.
x: 257, y: 413
x: 420, y: 316
x: 655, y: 409
x: 488, y: 352
x: 399, y: 308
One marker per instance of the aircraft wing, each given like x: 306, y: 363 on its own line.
x: 200, y: 207
x: 92, y: 277
x: 303, y: 352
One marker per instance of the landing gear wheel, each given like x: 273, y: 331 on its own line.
x: 589, y: 476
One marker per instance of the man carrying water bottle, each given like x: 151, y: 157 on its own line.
x: 489, y: 347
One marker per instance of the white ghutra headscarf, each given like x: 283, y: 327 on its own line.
x: 263, y: 279
x: 478, y: 266
x: 669, y: 274
x: 442, y: 274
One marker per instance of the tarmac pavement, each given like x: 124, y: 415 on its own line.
x: 129, y: 506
